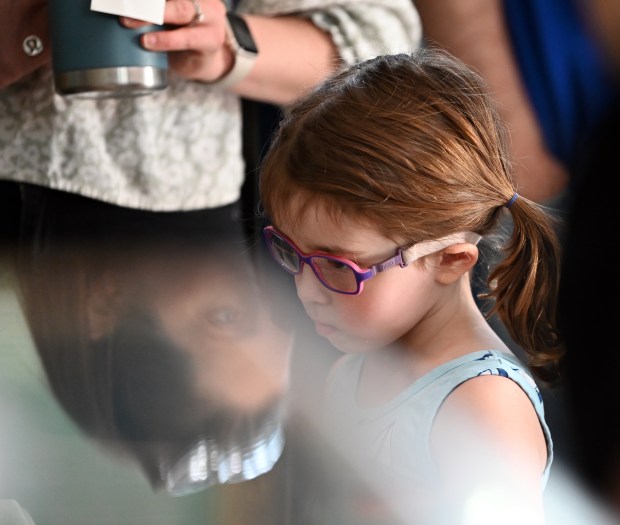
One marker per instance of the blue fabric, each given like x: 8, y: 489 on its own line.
x: 563, y: 69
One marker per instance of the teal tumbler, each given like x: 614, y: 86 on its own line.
x: 94, y: 56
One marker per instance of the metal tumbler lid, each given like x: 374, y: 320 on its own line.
x: 109, y: 82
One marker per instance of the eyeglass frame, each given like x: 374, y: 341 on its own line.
x: 403, y: 257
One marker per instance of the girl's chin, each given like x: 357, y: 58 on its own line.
x: 343, y: 342
x: 349, y: 345
x: 324, y: 330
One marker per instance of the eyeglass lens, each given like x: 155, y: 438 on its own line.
x: 285, y: 254
x: 335, y: 274
x: 332, y: 272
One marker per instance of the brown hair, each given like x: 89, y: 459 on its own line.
x: 413, y: 144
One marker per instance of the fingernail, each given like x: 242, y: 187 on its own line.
x: 149, y: 40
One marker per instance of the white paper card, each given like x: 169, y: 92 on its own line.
x: 147, y: 10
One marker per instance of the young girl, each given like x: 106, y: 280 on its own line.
x: 379, y: 185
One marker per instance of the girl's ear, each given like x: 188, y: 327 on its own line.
x: 103, y: 306
x: 454, y: 261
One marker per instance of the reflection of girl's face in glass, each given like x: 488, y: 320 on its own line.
x: 217, y: 314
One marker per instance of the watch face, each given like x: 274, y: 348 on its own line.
x: 242, y: 33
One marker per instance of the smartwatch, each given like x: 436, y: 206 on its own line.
x: 239, y: 39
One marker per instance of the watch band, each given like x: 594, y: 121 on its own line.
x: 240, y: 41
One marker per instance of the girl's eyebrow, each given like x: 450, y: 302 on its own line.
x: 355, y: 256
x: 328, y: 249
x: 334, y: 249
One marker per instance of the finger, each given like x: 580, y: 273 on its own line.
x: 183, y: 12
x: 132, y: 23
x: 199, y: 37
x: 177, y: 12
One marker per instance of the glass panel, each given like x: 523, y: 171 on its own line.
x: 147, y: 377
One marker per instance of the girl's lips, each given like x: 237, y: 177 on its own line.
x: 324, y: 329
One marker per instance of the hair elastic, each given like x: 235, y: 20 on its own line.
x: 512, y: 200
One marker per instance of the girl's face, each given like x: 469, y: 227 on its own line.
x: 391, y: 305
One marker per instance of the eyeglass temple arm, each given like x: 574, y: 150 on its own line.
x: 423, y: 248
x: 386, y: 265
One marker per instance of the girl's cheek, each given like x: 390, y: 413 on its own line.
x: 355, y: 314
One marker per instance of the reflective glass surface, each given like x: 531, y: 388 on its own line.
x: 157, y: 369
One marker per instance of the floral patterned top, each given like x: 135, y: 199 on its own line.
x: 179, y: 149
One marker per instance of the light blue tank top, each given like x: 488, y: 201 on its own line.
x: 397, y: 433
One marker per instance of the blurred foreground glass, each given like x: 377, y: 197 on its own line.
x: 208, y: 463
x: 157, y: 336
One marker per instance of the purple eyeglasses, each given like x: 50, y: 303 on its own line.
x: 336, y: 273
x: 343, y: 276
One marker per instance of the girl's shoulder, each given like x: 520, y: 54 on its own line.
x: 490, y: 383
x: 489, y: 363
x: 495, y: 399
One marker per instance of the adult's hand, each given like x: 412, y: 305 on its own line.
x: 198, y: 47
x: 24, y: 39
x: 293, y: 53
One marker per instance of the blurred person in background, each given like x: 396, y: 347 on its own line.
x: 546, y: 72
x: 180, y: 149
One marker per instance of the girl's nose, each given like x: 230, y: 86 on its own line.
x: 309, y: 288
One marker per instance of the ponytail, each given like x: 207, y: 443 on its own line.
x: 524, y: 287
